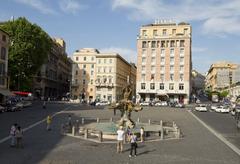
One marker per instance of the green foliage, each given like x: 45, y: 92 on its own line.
x: 223, y: 94
x: 28, y: 50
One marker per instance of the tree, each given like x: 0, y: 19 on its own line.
x: 223, y: 94
x: 29, y: 48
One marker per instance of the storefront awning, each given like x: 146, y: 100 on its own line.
x: 5, y: 92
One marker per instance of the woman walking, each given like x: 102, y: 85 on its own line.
x: 133, y: 142
x: 19, y: 137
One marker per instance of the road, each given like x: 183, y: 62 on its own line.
x: 198, y: 145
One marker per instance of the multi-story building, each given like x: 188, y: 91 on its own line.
x: 198, y: 82
x: 164, y: 62
x: 220, y: 75
x: 100, y: 76
x: 4, y: 83
x: 236, y: 75
x: 53, y: 80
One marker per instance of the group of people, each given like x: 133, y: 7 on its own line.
x: 131, y: 138
x: 16, y: 134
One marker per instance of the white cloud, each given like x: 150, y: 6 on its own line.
x: 211, y: 12
x: 40, y: 5
x: 128, y: 54
x: 71, y: 6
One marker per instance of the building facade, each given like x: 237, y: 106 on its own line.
x: 53, y: 80
x: 198, y: 82
x: 164, y: 62
x: 102, y: 75
x: 220, y: 76
x: 4, y: 81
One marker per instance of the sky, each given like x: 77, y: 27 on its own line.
x: 113, y: 25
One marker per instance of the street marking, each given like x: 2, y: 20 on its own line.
x: 219, y: 136
x: 33, y: 125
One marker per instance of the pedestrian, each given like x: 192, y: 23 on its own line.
x: 19, y: 137
x: 133, y: 142
x: 49, y: 121
x: 44, y: 104
x: 142, y: 134
x: 120, y: 137
x: 13, y: 135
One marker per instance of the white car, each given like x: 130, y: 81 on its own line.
x: 213, y: 107
x: 222, y: 109
x: 161, y: 103
x: 102, y: 103
x: 201, y: 108
x: 145, y: 103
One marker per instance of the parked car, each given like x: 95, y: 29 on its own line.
x: 145, y: 103
x: 161, y: 103
x: 222, y: 109
x: 102, y: 103
x: 213, y: 107
x: 201, y: 108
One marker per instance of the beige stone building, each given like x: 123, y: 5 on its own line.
x: 4, y: 81
x: 53, y: 80
x: 106, y: 74
x: 220, y: 75
x: 164, y: 62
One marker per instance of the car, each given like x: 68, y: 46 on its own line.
x: 201, y: 108
x: 222, y: 109
x: 213, y: 107
x: 101, y: 103
x: 145, y: 103
x: 161, y: 103
x: 179, y: 105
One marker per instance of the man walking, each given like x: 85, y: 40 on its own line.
x: 120, y: 137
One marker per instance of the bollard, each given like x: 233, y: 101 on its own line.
x: 73, y: 130
x: 82, y: 120
x: 161, y: 129
x: 149, y: 122
x: 111, y: 119
x: 100, y: 136
x: 97, y: 120
x: 86, y: 133
x: 138, y: 120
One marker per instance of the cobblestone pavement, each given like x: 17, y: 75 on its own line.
x: 198, y: 146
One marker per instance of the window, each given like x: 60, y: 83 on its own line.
x: 163, y: 44
x: 171, y: 86
x: 84, y: 72
x: 162, y: 68
x: 162, y: 77
x: 172, y: 51
x: 185, y: 31
x: 164, y: 32
x: 144, y: 32
x: 85, y: 58
x: 76, y: 58
x: 143, y: 77
x: 161, y: 86
x: 76, y: 81
x: 182, y: 51
x: 105, y: 60
x: 99, y: 69
x: 172, y: 43
x: 84, y: 81
x: 91, y: 89
x: 92, y: 66
x: 163, y: 51
x: 152, y: 86
x: 171, y: 60
x: 173, y: 31
x: 110, y: 60
x: 162, y: 59
x: 76, y: 73
x: 92, y: 73
x: 152, y: 76
x: 104, y: 69
x: 3, y: 53
x: 110, y: 69
x: 154, y: 52
x: 181, y: 67
x: 153, y: 44
x: 181, y: 86
x: 181, y: 59
x: 152, y: 68
x: 143, y: 68
x: 91, y: 81
x: 181, y: 43
x: 92, y: 58
x: 154, y: 32
x: 99, y: 61
x: 144, y: 52
x: 84, y: 66
x: 171, y: 76
x: 144, y: 44
x: 153, y: 59
x: 4, y: 38
x: 171, y: 68
x: 143, y: 59
x: 143, y: 85
x: 181, y: 77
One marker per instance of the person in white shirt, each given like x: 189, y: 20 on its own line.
x: 120, y: 138
x: 12, y: 134
x: 142, y: 134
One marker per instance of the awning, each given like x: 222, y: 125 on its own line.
x: 5, y: 92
